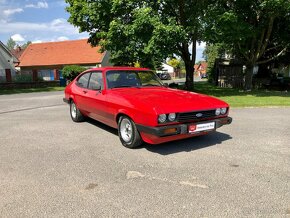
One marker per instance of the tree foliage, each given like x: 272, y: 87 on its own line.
x: 257, y: 31
x: 10, y: 44
x: 146, y: 32
x: 211, y: 53
x: 72, y: 71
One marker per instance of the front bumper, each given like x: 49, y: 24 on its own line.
x: 156, y: 135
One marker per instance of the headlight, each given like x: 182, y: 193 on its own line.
x: 218, y: 111
x: 171, y: 117
x: 223, y: 110
x: 162, y: 118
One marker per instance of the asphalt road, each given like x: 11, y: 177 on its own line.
x: 52, y: 167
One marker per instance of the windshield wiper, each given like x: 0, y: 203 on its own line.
x: 151, y: 85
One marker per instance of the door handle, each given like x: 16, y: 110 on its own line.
x: 85, y: 92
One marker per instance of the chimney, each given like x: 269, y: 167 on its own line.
x: 18, y: 48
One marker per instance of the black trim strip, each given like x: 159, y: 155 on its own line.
x: 181, y: 128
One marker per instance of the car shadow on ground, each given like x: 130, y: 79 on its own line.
x: 190, y: 144
x: 102, y: 126
x: 184, y: 145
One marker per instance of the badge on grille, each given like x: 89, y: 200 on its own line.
x: 199, y: 115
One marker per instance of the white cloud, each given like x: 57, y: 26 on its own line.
x: 62, y: 38
x: 37, y: 41
x: 18, y: 38
x: 200, y: 45
x: 55, y: 30
x: 58, y: 22
x: 38, y: 5
x: 9, y: 12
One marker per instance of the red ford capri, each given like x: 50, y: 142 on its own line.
x: 135, y: 101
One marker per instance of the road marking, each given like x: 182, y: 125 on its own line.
x: 136, y: 174
x: 31, y: 108
x: 193, y: 184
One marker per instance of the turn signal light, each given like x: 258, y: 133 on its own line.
x: 170, y: 131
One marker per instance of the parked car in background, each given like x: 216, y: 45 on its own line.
x: 135, y: 101
x: 164, y: 76
x: 203, y: 76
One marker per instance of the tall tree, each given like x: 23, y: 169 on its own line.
x: 255, y: 30
x: 146, y: 32
x: 11, y: 44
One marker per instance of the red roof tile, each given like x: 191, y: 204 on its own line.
x: 61, y: 53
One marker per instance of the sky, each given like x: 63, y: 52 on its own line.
x: 41, y: 21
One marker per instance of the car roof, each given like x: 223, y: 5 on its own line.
x: 117, y: 68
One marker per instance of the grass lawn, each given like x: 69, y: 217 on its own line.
x: 17, y: 91
x: 239, y: 98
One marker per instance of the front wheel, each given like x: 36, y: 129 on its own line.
x: 128, y: 133
x: 75, y: 113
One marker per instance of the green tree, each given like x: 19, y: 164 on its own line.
x: 255, y: 30
x: 211, y: 53
x: 24, y: 46
x: 174, y: 62
x: 72, y: 71
x: 10, y: 43
x: 146, y: 32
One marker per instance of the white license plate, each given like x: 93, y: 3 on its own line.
x: 201, y: 127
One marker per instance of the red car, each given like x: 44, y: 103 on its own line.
x: 135, y: 101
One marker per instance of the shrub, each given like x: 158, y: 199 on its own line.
x: 23, y: 78
x: 72, y: 71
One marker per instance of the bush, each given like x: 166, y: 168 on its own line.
x: 23, y: 78
x: 72, y: 71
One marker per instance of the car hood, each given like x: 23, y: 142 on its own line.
x: 166, y: 100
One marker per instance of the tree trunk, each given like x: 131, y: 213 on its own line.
x: 189, y: 67
x: 249, y: 77
x: 189, y: 60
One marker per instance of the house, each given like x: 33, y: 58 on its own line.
x: 7, y: 64
x: 17, y: 52
x: 46, y: 60
x: 200, y: 69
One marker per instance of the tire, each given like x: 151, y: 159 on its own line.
x: 75, y: 113
x: 128, y: 133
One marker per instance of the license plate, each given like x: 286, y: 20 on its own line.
x: 201, y: 127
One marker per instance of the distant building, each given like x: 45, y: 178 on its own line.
x: 7, y: 64
x: 46, y: 60
x: 200, y: 69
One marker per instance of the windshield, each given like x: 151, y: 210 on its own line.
x: 133, y: 78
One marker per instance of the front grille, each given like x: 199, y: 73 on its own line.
x: 196, y: 115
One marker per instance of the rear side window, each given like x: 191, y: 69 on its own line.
x: 83, y: 80
x: 96, y: 80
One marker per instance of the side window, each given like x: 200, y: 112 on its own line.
x: 83, y: 80
x: 96, y: 81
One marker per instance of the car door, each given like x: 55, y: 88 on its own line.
x: 81, y: 90
x: 95, y: 98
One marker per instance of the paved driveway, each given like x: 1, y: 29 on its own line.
x: 52, y: 167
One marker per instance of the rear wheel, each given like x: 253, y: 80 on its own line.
x: 75, y: 113
x: 128, y: 133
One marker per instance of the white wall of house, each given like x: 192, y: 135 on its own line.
x: 168, y: 68
x: 6, y: 62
